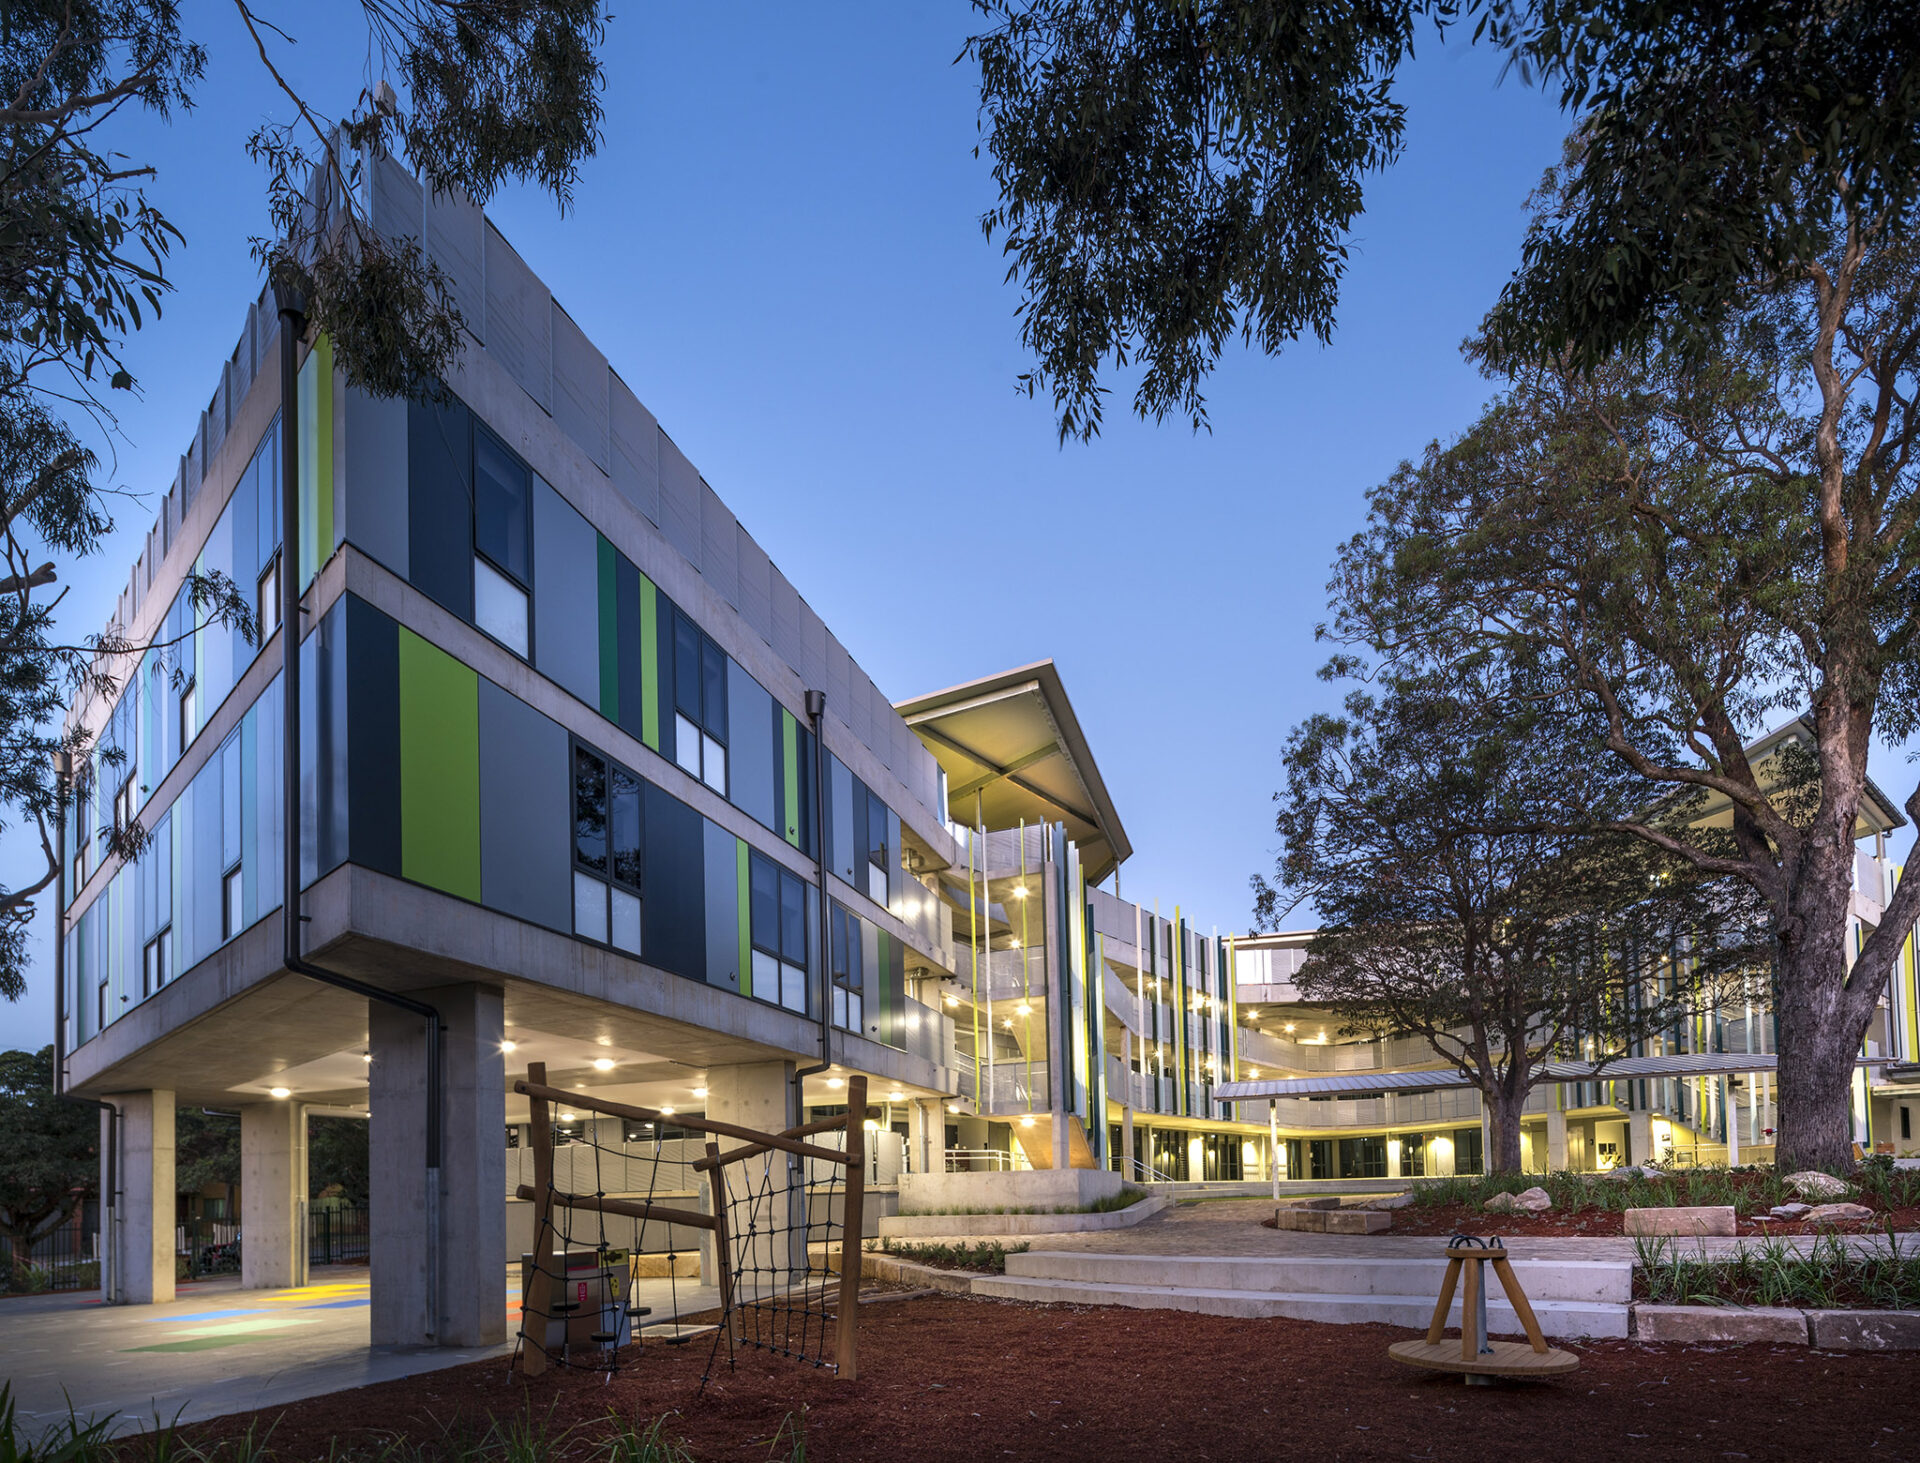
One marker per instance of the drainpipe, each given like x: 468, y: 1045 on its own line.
x: 293, y: 324
x: 110, y: 1150
x: 816, y: 712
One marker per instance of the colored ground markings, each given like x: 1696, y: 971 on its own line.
x: 234, y: 1326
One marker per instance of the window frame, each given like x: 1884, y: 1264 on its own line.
x: 694, y: 754
x: 611, y: 884
x: 232, y: 902
x: 478, y: 431
x: 772, y: 944
x: 266, y: 599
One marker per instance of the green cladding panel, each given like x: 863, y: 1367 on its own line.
x: 790, y: 769
x: 649, y: 663
x: 609, y: 636
x: 439, y: 769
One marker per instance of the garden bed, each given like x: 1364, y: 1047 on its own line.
x: 1827, y: 1275
x: 1590, y: 1204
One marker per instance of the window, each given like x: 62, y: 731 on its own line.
x: 876, y: 865
x: 606, y: 851
x: 502, y: 495
x: 125, y: 804
x: 154, y: 971
x: 230, y: 915
x: 187, y: 727
x: 267, y: 597
x: 82, y: 824
x: 700, y: 704
x: 846, y: 954
x: 101, y: 1025
x: 777, y: 912
x: 1906, y: 1121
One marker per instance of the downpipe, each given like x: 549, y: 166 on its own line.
x: 292, y: 307
x: 797, y: 1189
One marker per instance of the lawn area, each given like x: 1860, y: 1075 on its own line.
x: 947, y: 1378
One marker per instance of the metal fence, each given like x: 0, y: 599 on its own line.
x: 337, y: 1236
x: 66, y: 1258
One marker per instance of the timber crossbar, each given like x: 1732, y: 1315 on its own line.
x: 762, y: 1141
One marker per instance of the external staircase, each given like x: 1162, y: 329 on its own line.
x: 1571, y: 1297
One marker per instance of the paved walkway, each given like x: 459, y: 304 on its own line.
x: 1231, y: 1227
x: 218, y: 1349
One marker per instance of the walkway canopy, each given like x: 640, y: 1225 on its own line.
x: 1368, y: 1084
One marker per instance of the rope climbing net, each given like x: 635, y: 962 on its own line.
x: 768, y: 1220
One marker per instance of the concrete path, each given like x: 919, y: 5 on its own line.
x: 218, y: 1349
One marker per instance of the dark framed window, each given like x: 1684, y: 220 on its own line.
x: 125, y: 803
x: 230, y: 906
x: 267, y: 597
x: 845, y: 953
x: 777, y: 915
x: 699, y: 704
x: 502, y: 543
x: 156, y: 962
x: 187, y: 727
x: 606, y: 851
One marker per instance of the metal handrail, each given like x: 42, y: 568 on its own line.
x: 1147, y: 1173
x: 998, y: 1160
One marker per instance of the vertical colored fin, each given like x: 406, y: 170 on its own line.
x: 609, y: 635
x: 790, y: 765
x: 439, y: 769
x: 746, y: 918
x: 649, y: 663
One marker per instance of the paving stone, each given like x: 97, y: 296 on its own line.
x: 1865, y: 1330
x: 1720, y: 1324
x: 1681, y: 1219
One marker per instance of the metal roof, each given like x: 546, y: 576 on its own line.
x: 1365, y: 1084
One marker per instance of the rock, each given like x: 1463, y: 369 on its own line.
x: 1331, y: 1201
x: 1719, y: 1325
x: 1534, y: 1201
x: 1865, y: 1330
x: 1500, y: 1204
x: 1823, y: 1213
x: 1790, y: 1211
x: 1635, y: 1171
x: 1812, y: 1184
x: 1390, y: 1201
x: 1681, y: 1219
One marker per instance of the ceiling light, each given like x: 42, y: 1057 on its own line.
x: 1287, y: 1027
x: 603, y: 1064
x: 1023, y: 1009
x: 953, y: 1107
x: 1008, y: 1023
x: 835, y: 1082
x: 1019, y: 891
x: 1255, y: 1071
x: 366, y: 1056
x: 509, y: 1046
x: 871, y: 1125
x: 666, y: 1112
x: 566, y: 1117
x: 1013, y: 944
x: 1253, y: 1015
x: 953, y: 1000
x: 699, y: 1092
x: 1027, y: 1121
x: 896, y: 1096
x: 280, y: 1091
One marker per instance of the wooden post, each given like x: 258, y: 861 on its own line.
x: 1469, y: 1303
x: 853, y: 1221
x: 536, y: 1305
x: 1439, y: 1326
x: 722, y: 1241
x: 1517, y: 1298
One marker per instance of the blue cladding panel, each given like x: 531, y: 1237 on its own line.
x: 751, y: 754
x: 524, y: 821
x: 673, y: 897
x: 566, y: 595
x: 723, y: 908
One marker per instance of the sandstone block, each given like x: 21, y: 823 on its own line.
x: 1865, y: 1330
x: 1357, y: 1221
x: 1810, y: 1183
x: 1715, y: 1219
x: 1734, y: 1325
x: 1391, y: 1201
x: 1838, y: 1211
x: 1330, y: 1201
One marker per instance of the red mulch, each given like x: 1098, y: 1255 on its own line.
x: 949, y: 1378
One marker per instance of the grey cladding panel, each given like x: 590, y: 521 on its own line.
x: 813, y: 646
x: 750, y: 757
x: 680, y: 489
x: 859, y: 712
x: 376, y: 477
x: 636, y: 451
x: 519, y: 320
x: 396, y: 200
x: 719, y: 534
x: 753, y: 570
x: 456, y: 241
x: 566, y: 595
x: 524, y: 856
x: 839, y: 681
x: 787, y: 610
x: 580, y: 382
x: 880, y: 726
x: 723, y: 908
x: 840, y: 818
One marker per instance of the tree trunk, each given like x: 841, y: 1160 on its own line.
x: 1821, y: 1023
x: 1503, y: 1119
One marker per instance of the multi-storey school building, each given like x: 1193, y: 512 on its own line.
x: 583, y: 780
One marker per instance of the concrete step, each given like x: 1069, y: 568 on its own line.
x: 1412, y: 1312
x: 1580, y: 1282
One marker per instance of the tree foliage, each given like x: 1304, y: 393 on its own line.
x: 1468, y: 895
x: 49, y: 1150
x: 1702, y: 545
x: 475, y: 92
x: 1173, y: 173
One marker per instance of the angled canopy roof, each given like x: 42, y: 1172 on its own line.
x: 1012, y: 741
x: 1878, y: 812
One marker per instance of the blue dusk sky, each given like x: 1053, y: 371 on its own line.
x: 778, y: 248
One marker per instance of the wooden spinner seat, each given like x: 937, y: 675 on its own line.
x: 1477, y: 1358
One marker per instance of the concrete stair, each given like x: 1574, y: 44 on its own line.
x: 1570, y: 1297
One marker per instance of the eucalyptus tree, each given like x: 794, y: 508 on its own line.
x: 1466, y: 897
x: 473, y: 92
x: 1713, y: 540
x: 1173, y: 173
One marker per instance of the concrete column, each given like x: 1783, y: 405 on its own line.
x: 1556, y: 1134
x: 1395, y: 1160
x: 464, y: 1268
x: 766, y: 1224
x: 273, y: 1195
x: 1640, y: 1136
x: 1127, y: 1169
x: 145, y: 1218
